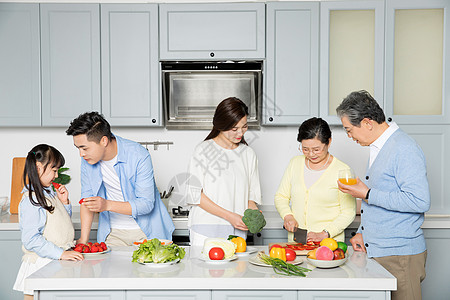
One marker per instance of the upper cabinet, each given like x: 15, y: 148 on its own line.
x: 19, y: 65
x: 292, y: 64
x: 70, y: 58
x: 418, y: 61
x: 212, y: 31
x: 351, y: 52
x: 130, y: 66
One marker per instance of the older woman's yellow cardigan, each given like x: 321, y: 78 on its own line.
x: 320, y: 207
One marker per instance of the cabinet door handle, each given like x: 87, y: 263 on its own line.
x: 270, y: 119
x: 153, y: 121
x: 212, y: 54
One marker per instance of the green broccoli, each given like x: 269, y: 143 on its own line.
x: 254, y: 220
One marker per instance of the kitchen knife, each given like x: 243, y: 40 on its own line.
x: 299, y: 235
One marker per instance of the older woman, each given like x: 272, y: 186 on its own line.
x: 308, y: 195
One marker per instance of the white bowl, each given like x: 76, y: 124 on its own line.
x: 326, y: 264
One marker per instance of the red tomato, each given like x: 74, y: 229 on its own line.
x: 216, y: 253
x: 103, y: 245
x: 290, y: 254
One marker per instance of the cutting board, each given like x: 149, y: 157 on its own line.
x: 18, y: 166
x: 298, y: 252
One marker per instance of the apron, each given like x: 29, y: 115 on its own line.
x: 58, y: 229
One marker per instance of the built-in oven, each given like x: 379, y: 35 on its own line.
x: 192, y: 90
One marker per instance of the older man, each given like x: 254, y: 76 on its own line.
x: 395, y: 192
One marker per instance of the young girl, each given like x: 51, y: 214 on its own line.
x: 44, y: 217
x: 224, y: 179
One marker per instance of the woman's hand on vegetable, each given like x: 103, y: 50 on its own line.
x: 290, y: 223
x: 96, y: 204
x: 71, y: 255
x: 236, y: 221
x: 63, y: 194
x: 316, y: 236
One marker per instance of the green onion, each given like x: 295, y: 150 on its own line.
x: 281, y: 267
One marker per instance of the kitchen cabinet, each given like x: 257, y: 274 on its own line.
x: 64, y: 295
x: 418, y: 82
x: 175, y: 295
x: 11, y: 255
x: 435, y: 143
x: 212, y: 31
x: 20, y: 100
x: 351, y: 52
x: 292, y: 63
x: 70, y: 55
x: 435, y: 286
x: 254, y: 295
x: 344, y: 295
x: 268, y: 236
x: 130, y: 65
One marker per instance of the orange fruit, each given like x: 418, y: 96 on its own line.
x: 329, y: 243
x: 312, y: 254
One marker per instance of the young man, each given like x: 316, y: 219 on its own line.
x: 395, y: 192
x: 117, y: 182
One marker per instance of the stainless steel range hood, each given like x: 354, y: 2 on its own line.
x: 192, y: 90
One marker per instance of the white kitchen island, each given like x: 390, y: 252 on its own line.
x: 114, y: 276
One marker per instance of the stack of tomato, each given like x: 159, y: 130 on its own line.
x: 91, y: 247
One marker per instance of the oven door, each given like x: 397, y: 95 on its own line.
x: 191, y: 97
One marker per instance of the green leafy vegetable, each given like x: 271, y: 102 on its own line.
x: 254, y: 220
x: 281, y: 267
x: 62, y: 178
x: 153, y: 251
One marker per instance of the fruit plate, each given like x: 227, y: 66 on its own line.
x: 222, y: 261
x: 256, y: 261
x: 96, y: 253
x: 327, y: 264
x: 248, y: 251
x: 160, y: 265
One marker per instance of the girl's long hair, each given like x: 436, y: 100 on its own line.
x: 228, y: 113
x: 49, y: 157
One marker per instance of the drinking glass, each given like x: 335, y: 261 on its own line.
x: 347, y: 177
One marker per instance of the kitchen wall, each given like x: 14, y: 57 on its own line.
x: 273, y: 145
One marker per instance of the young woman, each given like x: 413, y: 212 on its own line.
x: 309, y: 185
x: 224, y: 179
x: 44, y: 216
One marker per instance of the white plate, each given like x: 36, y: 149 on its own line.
x: 212, y: 261
x: 326, y: 264
x: 159, y: 265
x: 96, y: 253
x: 255, y: 260
x: 248, y: 251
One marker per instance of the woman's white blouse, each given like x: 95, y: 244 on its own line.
x: 228, y: 177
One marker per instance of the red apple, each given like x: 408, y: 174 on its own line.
x: 339, y: 253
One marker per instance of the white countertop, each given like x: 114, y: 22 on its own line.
x: 115, y: 271
x: 273, y: 219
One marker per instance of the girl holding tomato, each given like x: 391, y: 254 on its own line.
x: 223, y: 177
x: 308, y: 196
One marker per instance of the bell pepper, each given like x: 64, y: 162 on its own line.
x: 240, y: 243
x: 280, y: 253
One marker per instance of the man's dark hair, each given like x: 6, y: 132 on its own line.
x: 92, y: 124
x: 359, y: 105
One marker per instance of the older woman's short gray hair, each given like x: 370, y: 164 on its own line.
x: 359, y: 105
